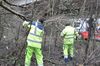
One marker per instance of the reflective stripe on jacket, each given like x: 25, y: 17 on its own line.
x: 69, y: 34
x: 35, y: 35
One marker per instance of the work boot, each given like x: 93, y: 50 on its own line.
x: 70, y: 58
x: 66, y: 60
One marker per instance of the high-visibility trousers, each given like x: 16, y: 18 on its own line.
x: 68, y: 50
x: 38, y: 54
x: 85, y: 35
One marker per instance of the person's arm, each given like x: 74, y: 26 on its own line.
x: 42, y: 33
x: 76, y: 34
x: 63, y: 33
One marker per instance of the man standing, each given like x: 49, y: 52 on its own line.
x: 34, y: 42
x: 83, y: 29
x: 69, y: 34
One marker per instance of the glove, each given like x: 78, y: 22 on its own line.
x: 25, y: 24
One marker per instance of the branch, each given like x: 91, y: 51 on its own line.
x: 11, y: 3
x: 13, y: 11
x: 83, y: 8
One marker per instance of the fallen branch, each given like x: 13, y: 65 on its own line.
x: 13, y: 11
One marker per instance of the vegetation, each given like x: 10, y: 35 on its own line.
x: 57, y: 13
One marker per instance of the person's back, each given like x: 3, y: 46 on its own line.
x: 69, y: 36
x: 35, y: 35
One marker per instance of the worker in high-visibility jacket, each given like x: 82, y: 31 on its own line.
x: 34, y: 42
x: 69, y: 34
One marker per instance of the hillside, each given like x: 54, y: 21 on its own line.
x: 57, y: 13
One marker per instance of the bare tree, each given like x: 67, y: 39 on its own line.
x: 57, y: 12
